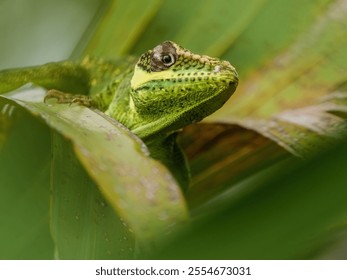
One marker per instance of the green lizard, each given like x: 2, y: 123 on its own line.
x: 168, y: 88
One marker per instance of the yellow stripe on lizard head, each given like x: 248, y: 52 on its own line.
x: 141, y: 77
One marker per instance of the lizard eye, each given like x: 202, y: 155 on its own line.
x: 168, y: 59
x: 162, y: 56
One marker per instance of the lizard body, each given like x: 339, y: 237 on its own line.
x: 168, y: 88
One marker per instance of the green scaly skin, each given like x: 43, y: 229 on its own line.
x: 168, y: 88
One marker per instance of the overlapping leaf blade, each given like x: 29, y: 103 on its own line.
x: 223, y: 155
x: 295, y: 213
x: 139, y: 188
x: 291, y: 84
x: 120, y: 26
x: 24, y: 186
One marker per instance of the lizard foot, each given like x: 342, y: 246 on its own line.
x: 68, y: 98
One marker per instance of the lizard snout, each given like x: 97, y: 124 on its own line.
x: 224, y: 68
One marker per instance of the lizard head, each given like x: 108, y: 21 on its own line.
x: 172, y: 87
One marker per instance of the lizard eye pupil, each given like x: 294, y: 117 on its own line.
x: 168, y: 59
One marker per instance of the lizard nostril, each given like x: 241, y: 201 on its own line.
x: 233, y: 83
x: 216, y: 69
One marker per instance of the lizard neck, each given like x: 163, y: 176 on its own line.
x: 166, y: 150
x: 121, y: 107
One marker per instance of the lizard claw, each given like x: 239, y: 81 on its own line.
x: 68, y: 98
x: 58, y: 95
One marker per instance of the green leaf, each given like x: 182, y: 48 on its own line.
x: 83, y: 224
x: 222, y: 155
x: 296, y: 210
x: 24, y: 187
x: 120, y: 26
x: 140, y: 189
x: 198, y: 32
x: 290, y: 85
x: 271, y: 31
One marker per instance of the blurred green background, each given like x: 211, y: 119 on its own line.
x: 36, y: 32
